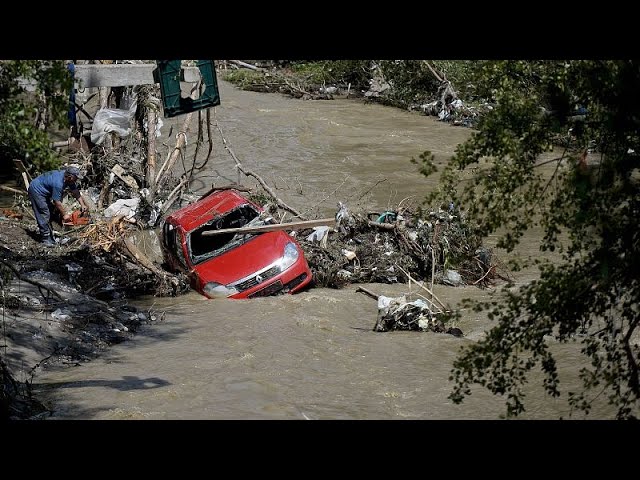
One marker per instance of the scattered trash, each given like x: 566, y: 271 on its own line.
x: 126, y: 207
x: 61, y: 314
x: 397, y: 313
x: 112, y: 120
x: 451, y: 277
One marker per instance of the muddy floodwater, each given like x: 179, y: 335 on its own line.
x: 313, y: 355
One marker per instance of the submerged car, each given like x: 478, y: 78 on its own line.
x: 232, y: 264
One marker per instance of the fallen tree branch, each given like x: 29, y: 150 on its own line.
x: 240, y: 63
x: 274, y: 227
x: 141, y: 258
x: 367, y: 292
x: 331, y: 195
x: 181, y: 141
x: 13, y: 190
x: 381, y: 226
x: 173, y: 196
x: 249, y: 173
x: 435, y: 74
x: 442, y: 305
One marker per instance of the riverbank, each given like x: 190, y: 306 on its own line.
x: 45, y: 318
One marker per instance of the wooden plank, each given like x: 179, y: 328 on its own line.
x: 128, y: 179
x: 24, y: 172
x: 12, y: 190
x: 273, y: 228
x: 122, y: 75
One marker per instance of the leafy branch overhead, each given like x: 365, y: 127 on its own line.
x: 587, y: 207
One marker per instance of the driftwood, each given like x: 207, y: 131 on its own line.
x: 442, y: 305
x: 103, y: 94
x: 24, y: 172
x: 240, y: 63
x: 446, y: 88
x: 274, y: 227
x: 173, y: 196
x: 367, y: 292
x: 13, y: 190
x: 181, y: 139
x: 151, y: 148
x: 381, y: 226
x: 142, y: 259
x: 181, y: 142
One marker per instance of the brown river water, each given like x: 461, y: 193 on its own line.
x: 313, y: 355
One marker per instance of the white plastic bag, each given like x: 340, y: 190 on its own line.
x: 115, y: 120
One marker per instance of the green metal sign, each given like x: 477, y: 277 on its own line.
x: 169, y: 75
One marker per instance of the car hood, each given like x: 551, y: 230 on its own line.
x: 247, y: 259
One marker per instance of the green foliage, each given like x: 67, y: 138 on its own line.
x: 341, y: 72
x: 589, y: 214
x: 426, y: 165
x: 412, y: 81
x: 243, y: 78
x: 20, y: 135
x: 310, y: 74
x: 461, y: 74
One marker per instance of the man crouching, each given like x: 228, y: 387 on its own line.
x: 45, y: 193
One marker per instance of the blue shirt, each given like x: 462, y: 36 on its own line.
x: 51, y: 185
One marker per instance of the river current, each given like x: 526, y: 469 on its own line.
x: 313, y: 355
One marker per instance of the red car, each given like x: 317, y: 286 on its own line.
x: 232, y: 264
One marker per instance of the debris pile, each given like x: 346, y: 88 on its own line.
x: 389, y: 247
x: 400, y: 314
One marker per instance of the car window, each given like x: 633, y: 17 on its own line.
x: 203, y: 247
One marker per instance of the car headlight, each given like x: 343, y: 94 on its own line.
x: 216, y: 290
x: 290, y: 256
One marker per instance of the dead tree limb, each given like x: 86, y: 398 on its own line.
x: 435, y: 74
x: 442, y: 305
x: 151, y: 148
x: 141, y: 258
x: 249, y: 173
x: 381, y: 226
x: 367, y: 292
x: 240, y: 63
x: 12, y: 190
x: 295, y: 88
x: 446, y: 89
x: 173, y: 196
x: 181, y: 140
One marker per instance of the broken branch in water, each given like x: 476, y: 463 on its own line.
x: 249, y: 173
x: 444, y: 307
x: 367, y: 292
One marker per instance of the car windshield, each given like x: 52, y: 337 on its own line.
x: 203, y: 247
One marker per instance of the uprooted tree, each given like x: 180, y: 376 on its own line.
x: 588, y: 211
